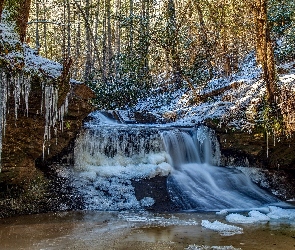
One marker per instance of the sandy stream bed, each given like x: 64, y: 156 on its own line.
x: 113, y: 230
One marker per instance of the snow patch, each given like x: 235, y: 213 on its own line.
x: 222, y: 228
x: 40, y: 65
x: 149, y: 219
x: 203, y: 247
x: 280, y: 213
x: 269, y: 213
x: 254, y: 216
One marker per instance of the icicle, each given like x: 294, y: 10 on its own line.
x: 50, y: 105
x: 43, y: 149
x: 27, y: 89
x: 2, y: 86
x: 3, y: 106
x: 17, y: 94
x: 266, y: 144
x: 53, y: 115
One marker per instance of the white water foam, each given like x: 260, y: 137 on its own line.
x: 109, y: 155
x: 195, y: 183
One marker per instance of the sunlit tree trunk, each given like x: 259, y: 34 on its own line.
x: 104, y: 45
x: 1, y: 7
x: 264, y: 48
x: 68, y: 23
x: 45, y: 29
x: 109, y: 37
x: 37, y: 36
x: 88, y: 43
x: 23, y: 17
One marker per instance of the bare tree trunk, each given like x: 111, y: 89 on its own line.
x: 144, y: 41
x: 204, y: 37
x: 96, y: 25
x: 131, y: 31
x: 264, y: 48
x: 37, y: 35
x: 118, y: 35
x: 45, y: 29
x: 68, y: 23
x: 225, y: 51
x: 1, y: 7
x: 109, y: 37
x: 23, y: 17
x: 88, y: 43
x: 172, y: 43
x: 104, y: 46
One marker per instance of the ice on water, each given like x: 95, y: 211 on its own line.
x: 222, y: 228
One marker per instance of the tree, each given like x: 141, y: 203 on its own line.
x: 264, y: 49
x: 19, y: 11
x: 1, y: 7
x: 172, y: 42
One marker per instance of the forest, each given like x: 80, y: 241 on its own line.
x: 122, y: 49
x: 145, y: 53
x: 145, y: 106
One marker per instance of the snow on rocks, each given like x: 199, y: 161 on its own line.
x: 39, y: 65
x: 222, y: 228
x: 27, y: 63
x: 269, y: 213
x: 239, y: 98
x: 233, y: 100
x: 254, y: 216
x: 280, y: 213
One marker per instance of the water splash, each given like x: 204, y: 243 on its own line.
x: 197, y: 183
x: 108, y: 155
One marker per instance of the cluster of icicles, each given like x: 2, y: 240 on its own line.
x: 19, y: 87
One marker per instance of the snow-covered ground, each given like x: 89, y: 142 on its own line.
x: 236, y: 106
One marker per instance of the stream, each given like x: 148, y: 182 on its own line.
x: 126, y: 230
x: 214, y: 207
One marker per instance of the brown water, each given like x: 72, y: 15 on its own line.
x: 113, y: 230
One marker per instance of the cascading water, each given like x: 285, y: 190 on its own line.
x: 197, y: 183
x: 108, y: 155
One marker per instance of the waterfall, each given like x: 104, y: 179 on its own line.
x: 109, y: 154
x: 197, y: 182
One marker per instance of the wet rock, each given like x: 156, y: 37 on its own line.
x: 156, y: 188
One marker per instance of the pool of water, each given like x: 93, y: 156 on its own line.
x: 141, y: 230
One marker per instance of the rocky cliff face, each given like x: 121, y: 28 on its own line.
x: 24, y: 186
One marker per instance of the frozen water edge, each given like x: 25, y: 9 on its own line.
x: 202, y: 247
x: 222, y: 228
x: 134, y: 231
